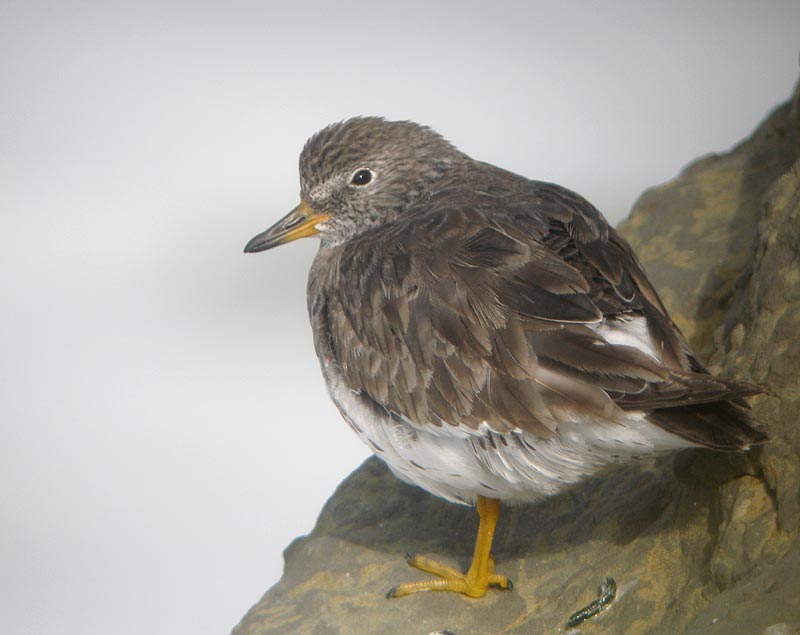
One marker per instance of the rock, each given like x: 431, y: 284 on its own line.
x: 748, y: 532
x: 699, y: 542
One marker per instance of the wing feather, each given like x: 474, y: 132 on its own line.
x: 490, y: 319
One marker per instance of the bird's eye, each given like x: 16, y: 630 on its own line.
x: 361, y: 177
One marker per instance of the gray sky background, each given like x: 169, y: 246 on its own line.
x: 165, y: 430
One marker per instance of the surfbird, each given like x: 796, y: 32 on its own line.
x: 490, y: 337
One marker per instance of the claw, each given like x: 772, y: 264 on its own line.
x: 480, y: 575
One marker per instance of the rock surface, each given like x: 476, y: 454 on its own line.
x: 698, y: 542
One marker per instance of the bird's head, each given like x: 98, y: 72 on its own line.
x: 359, y: 174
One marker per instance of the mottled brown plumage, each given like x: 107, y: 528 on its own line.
x: 472, y: 305
x: 458, y: 307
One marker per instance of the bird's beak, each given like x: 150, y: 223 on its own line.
x: 302, y: 221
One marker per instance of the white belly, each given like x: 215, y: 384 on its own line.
x: 460, y: 464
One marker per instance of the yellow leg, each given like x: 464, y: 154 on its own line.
x: 480, y: 575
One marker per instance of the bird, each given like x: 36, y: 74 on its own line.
x: 490, y: 337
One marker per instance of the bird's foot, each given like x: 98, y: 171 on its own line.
x: 473, y: 583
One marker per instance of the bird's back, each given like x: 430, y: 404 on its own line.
x: 501, y: 308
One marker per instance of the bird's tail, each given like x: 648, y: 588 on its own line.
x: 720, y: 425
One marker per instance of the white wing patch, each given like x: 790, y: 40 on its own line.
x: 628, y: 332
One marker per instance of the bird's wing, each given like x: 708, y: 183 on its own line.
x: 464, y: 318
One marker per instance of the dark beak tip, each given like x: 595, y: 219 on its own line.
x: 291, y: 227
x: 256, y: 244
